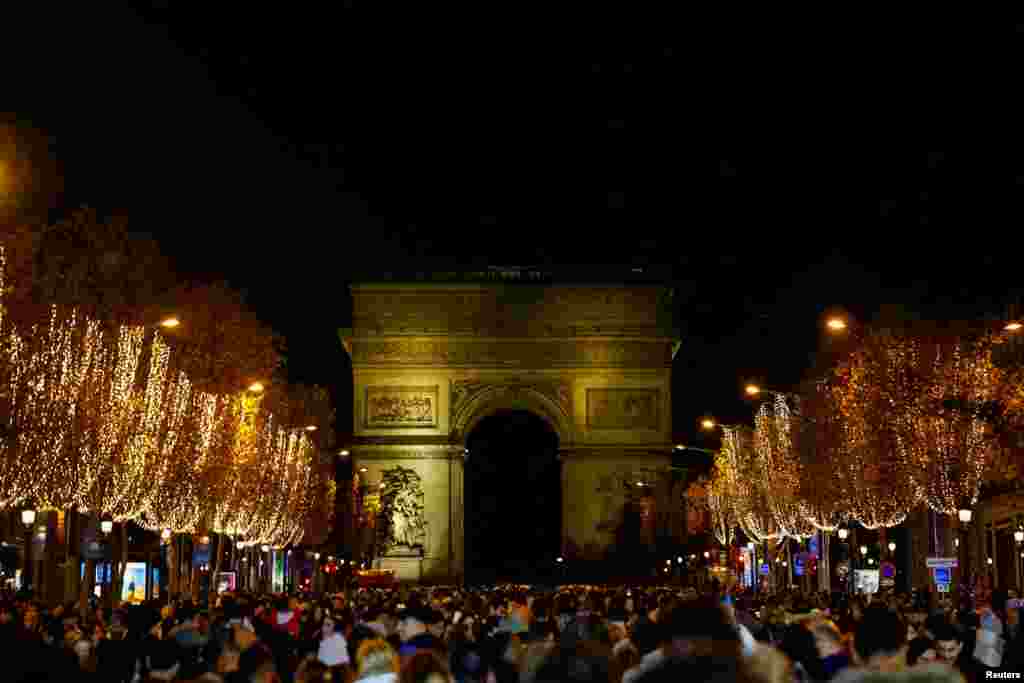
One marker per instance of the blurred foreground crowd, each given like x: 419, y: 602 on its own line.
x: 515, y: 634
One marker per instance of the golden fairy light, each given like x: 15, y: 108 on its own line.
x: 779, y: 467
x: 941, y: 435
x: 749, y: 500
x: 719, y: 492
x: 869, y: 391
x: 101, y: 418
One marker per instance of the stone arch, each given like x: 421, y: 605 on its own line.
x: 545, y: 402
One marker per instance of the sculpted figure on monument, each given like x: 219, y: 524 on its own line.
x: 402, y: 524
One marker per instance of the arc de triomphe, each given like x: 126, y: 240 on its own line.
x: 430, y: 361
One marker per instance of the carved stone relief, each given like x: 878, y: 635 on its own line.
x: 402, y: 407
x: 622, y: 408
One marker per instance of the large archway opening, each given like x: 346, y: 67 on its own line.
x: 513, y: 499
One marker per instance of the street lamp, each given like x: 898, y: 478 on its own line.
x: 165, y: 535
x: 106, y: 526
x: 256, y: 388
x: 863, y: 550
x: 892, y: 546
x: 170, y: 323
x: 707, y: 424
x: 752, y: 390
x: 835, y: 324
x: 265, y: 548
x: 843, y: 533
x: 964, y: 514
x: 1014, y: 326
x: 28, y: 517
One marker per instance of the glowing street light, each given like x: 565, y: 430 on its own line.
x: 310, y: 428
x: 28, y: 517
x: 106, y: 526
x: 863, y: 550
x: 892, y: 546
x: 835, y: 324
x: 964, y: 514
x: 265, y: 548
x: 165, y: 535
x: 559, y: 560
x: 707, y: 423
x: 364, y: 469
x: 752, y: 390
x: 1014, y: 326
x: 843, y: 533
x: 344, y: 454
x: 706, y: 554
x: 170, y: 323
x: 256, y: 388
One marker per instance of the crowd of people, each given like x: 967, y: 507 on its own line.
x: 515, y: 634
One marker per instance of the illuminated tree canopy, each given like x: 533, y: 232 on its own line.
x: 104, y: 411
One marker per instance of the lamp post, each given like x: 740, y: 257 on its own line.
x: 964, y: 514
x: 28, y: 518
x: 842, y: 532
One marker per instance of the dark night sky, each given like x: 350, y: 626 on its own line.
x: 294, y: 151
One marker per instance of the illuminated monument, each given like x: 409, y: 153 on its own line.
x: 430, y: 359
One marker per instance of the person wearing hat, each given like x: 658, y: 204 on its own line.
x: 414, y: 631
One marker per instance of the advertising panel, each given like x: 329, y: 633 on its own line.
x: 278, y: 581
x: 865, y: 580
x: 133, y: 588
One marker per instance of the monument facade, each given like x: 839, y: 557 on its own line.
x: 430, y: 361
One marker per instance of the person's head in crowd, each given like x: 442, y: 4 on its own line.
x: 947, y: 643
x: 425, y: 667
x: 768, y: 665
x: 921, y: 651
x: 360, y: 634
x: 333, y: 624
x: 800, y: 645
x: 310, y: 670
x: 413, y: 621
x: 699, y: 628
x: 376, y: 657
x: 880, y: 642
x: 933, y: 624
x: 436, y: 625
x: 256, y: 665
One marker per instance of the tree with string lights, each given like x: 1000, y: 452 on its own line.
x: 867, y: 390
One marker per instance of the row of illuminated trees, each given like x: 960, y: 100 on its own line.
x: 130, y: 397
x: 899, y: 418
